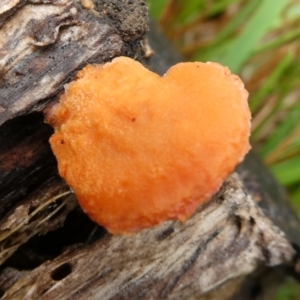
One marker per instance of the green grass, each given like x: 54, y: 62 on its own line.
x: 260, y: 41
x: 241, y: 47
x: 289, y: 290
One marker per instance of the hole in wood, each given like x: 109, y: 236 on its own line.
x: 77, y: 229
x: 61, y: 272
x: 2, y: 292
x: 163, y: 235
x: 26, y: 158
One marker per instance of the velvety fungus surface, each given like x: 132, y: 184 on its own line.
x: 139, y: 149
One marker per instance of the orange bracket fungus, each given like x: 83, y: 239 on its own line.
x: 139, y: 149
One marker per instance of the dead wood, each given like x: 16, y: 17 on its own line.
x: 42, y: 45
x: 44, y: 42
x: 49, y: 248
x: 227, y: 238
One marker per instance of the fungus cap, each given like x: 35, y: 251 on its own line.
x: 139, y: 149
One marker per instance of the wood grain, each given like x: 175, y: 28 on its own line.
x: 227, y: 238
x: 49, y: 248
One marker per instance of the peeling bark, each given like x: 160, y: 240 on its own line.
x: 42, y: 45
x: 49, y: 248
x: 227, y: 238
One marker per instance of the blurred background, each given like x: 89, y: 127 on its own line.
x: 260, y: 41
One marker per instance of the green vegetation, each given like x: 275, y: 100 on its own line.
x: 260, y: 41
x: 289, y: 290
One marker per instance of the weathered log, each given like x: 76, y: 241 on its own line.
x: 227, y: 238
x: 42, y: 45
x: 44, y: 42
x: 248, y: 227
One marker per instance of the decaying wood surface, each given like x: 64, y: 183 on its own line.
x: 48, y: 248
x: 44, y: 42
x: 42, y: 45
x: 227, y: 238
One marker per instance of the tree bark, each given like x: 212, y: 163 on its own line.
x: 49, y: 248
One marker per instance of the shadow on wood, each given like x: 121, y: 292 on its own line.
x: 49, y: 248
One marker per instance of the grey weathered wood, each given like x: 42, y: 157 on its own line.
x: 271, y: 197
x: 42, y: 45
x: 32, y: 215
x: 208, y: 257
x: 225, y: 239
x: 41, y: 48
